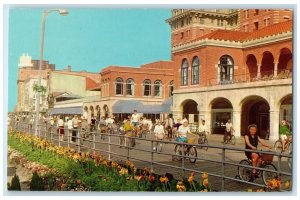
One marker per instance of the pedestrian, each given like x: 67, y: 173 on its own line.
x: 70, y: 127
x: 159, y: 133
x: 135, y: 118
x: 168, y: 126
x: 128, y: 128
x: 75, y: 124
x: 60, y: 125
x: 93, y: 123
x: 228, y: 129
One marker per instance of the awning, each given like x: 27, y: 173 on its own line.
x: 128, y: 106
x: 67, y: 110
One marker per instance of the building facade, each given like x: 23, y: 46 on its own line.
x: 238, y: 75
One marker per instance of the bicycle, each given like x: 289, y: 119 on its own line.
x: 202, y: 139
x: 229, y: 138
x: 245, y: 173
x: 288, y: 145
x: 190, y: 151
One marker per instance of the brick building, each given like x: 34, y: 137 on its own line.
x: 233, y: 74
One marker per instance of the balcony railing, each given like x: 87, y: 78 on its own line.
x: 252, y: 77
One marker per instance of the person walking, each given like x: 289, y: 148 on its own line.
x: 159, y: 133
x: 93, y: 123
x: 168, y: 126
x: 135, y: 118
x: 60, y: 125
x: 70, y: 127
x: 75, y: 124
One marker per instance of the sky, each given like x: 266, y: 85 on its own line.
x: 87, y: 39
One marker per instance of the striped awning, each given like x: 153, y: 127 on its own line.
x: 67, y: 110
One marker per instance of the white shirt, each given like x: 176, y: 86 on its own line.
x: 144, y: 122
x: 135, y: 118
x: 159, y: 129
x: 183, y: 131
x: 70, y: 124
x: 228, y: 126
x: 60, y: 122
x: 75, y: 122
x: 110, y: 121
x: 202, y: 128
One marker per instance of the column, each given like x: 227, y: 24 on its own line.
x: 275, y: 69
x: 258, y: 70
x: 236, y: 121
x: 274, y: 125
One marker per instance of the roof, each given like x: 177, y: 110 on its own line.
x: 68, y: 95
x: 239, y: 36
x: 90, y: 83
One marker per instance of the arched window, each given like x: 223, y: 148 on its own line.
x: 157, y: 88
x: 184, y: 72
x: 171, y: 88
x: 147, y: 88
x: 119, y: 86
x: 195, y: 70
x: 226, y: 69
x: 130, y: 87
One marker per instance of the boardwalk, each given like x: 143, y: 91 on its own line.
x: 136, y: 155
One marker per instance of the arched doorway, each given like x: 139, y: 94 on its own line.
x: 190, y: 110
x: 285, y: 60
x: 252, y: 66
x: 92, y: 111
x: 267, y: 64
x: 221, y: 112
x: 105, y: 110
x: 98, y: 113
x: 85, y: 112
x: 286, y: 110
x: 256, y: 110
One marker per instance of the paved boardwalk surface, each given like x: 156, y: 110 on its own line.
x: 136, y: 156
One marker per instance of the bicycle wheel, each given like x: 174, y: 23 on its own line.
x: 233, y: 140
x: 278, y: 146
x: 178, y: 152
x: 266, y: 176
x: 205, y: 142
x: 192, y: 154
x: 244, y: 172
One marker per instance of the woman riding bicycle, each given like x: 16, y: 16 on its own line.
x: 183, y: 130
x: 251, y: 141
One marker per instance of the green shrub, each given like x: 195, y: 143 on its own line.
x: 36, y: 183
x: 15, y: 184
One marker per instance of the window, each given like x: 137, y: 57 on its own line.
x: 201, y: 20
x: 195, y: 70
x: 286, y: 18
x: 255, y: 25
x: 147, y: 88
x: 222, y: 22
x: 119, y: 86
x: 157, y: 88
x: 130, y: 87
x: 184, y: 72
x: 171, y: 88
x: 226, y: 69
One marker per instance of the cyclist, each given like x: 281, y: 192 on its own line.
x: 228, y: 129
x: 183, y: 130
x: 284, y: 132
x: 203, y: 128
x: 251, y: 142
x: 159, y: 133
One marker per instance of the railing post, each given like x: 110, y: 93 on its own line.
x: 51, y: 134
x: 94, y: 145
x: 109, y: 147
x: 223, y: 169
x: 279, y: 164
x: 151, y: 155
x: 68, y: 136
x: 128, y: 145
x: 78, y: 140
x: 59, y: 137
x: 182, y: 160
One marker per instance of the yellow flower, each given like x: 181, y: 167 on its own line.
x: 180, y: 186
x: 204, y: 175
x: 260, y: 190
x: 139, y: 178
x: 205, y: 182
x: 123, y: 171
x: 114, y: 164
x: 249, y: 190
x: 287, y: 184
x: 204, y: 190
x: 163, y: 179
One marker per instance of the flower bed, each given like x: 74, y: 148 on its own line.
x: 64, y: 169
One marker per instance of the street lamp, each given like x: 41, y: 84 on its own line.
x: 62, y: 12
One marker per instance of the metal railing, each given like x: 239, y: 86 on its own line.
x: 94, y: 142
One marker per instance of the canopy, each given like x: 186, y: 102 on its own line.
x: 67, y: 110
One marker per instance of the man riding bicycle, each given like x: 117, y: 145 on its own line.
x: 284, y: 133
x: 229, y: 129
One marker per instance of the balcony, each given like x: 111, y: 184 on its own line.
x: 251, y: 77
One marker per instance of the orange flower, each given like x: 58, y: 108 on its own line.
x: 163, y: 179
x: 204, y: 190
x: 180, y: 186
x: 151, y: 178
x: 139, y: 177
x: 204, y: 175
x: 287, y: 184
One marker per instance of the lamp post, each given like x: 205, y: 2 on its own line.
x: 62, y: 12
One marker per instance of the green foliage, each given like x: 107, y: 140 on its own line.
x: 36, y: 183
x: 15, y: 184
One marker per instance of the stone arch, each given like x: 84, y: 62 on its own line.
x: 286, y: 109
x: 105, y: 110
x: 284, y: 60
x: 221, y: 111
x: 267, y: 64
x: 189, y: 110
x: 251, y: 63
x: 255, y: 110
